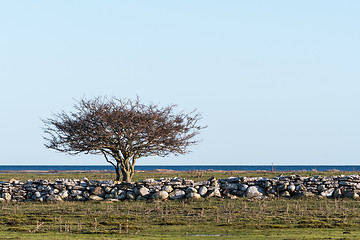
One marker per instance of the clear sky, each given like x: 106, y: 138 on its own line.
x: 276, y: 81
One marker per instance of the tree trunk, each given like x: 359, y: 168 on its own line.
x: 117, y: 171
x: 126, y: 175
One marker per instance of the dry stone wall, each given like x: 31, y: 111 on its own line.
x: 179, y: 188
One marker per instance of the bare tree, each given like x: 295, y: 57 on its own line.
x: 122, y: 130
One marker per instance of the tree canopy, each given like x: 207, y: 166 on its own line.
x: 122, y: 130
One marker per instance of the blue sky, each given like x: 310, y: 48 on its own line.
x: 276, y: 81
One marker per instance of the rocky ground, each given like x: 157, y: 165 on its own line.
x: 347, y: 186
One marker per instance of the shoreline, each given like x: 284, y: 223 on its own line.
x: 162, y: 171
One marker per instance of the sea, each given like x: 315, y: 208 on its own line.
x: 183, y: 167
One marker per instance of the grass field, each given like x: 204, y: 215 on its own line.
x: 213, y: 218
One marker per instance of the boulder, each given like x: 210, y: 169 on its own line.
x: 321, y: 188
x: 328, y: 193
x: 95, y: 198
x: 160, y: 195
x: 291, y: 188
x: 352, y: 194
x: 167, y: 189
x: 267, y: 184
x: 107, y: 189
x: 191, y: 190
x: 75, y: 193
x: 144, y: 192
x: 213, y: 193
x: 6, y: 196
x: 85, y: 194
x: 177, y: 194
x: 64, y: 194
x: 284, y: 194
x: 54, y: 197
x: 243, y: 187
x: 230, y: 186
x: 36, y: 195
x: 121, y: 194
x: 306, y: 194
x: 148, y: 181
x: 131, y: 195
x: 98, y: 191
x: 141, y: 198
x: 282, y: 187
x: 202, y: 191
x: 108, y: 196
x: 254, y: 191
x: 79, y: 198
x: 193, y: 195
x: 337, y: 193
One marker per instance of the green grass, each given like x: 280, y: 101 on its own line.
x: 194, y: 175
x: 222, y: 218
x: 213, y: 218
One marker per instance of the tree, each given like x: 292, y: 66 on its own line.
x: 122, y: 130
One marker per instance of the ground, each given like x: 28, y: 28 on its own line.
x: 277, y: 218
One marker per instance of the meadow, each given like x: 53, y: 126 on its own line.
x: 213, y: 218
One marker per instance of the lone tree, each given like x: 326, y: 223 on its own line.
x: 122, y: 130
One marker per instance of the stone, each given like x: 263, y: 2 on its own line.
x: 337, y: 193
x: 191, y: 190
x: 98, y: 191
x: 254, y: 191
x: 230, y: 186
x: 64, y: 194
x: 284, y: 194
x: 177, y: 194
x: 202, y: 183
x: 107, y: 189
x: 160, y: 195
x: 114, y: 192
x: 54, y: 191
x: 232, y: 179
x: 282, y: 187
x: 86, y: 194
x: 141, y: 198
x: 54, y: 197
x: 148, y: 181
x: 300, y: 188
x: 321, y: 188
x: 14, y: 181
x: 193, y: 195
x: 328, y: 193
x: 6, y: 196
x: 351, y: 195
x: 75, y: 193
x: 95, y: 198
x: 108, y: 196
x: 36, y: 195
x: 243, y: 187
x: 111, y: 200
x: 131, y: 195
x: 167, y: 189
x: 291, y: 188
x: 79, y: 198
x: 267, y: 184
x: 306, y: 194
x: 213, y: 193
x: 121, y: 195
x: 212, y: 179
x: 202, y: 191
x: 144, y: 192
x: 85, y: 179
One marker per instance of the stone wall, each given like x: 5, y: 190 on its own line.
x: 179, y: 188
